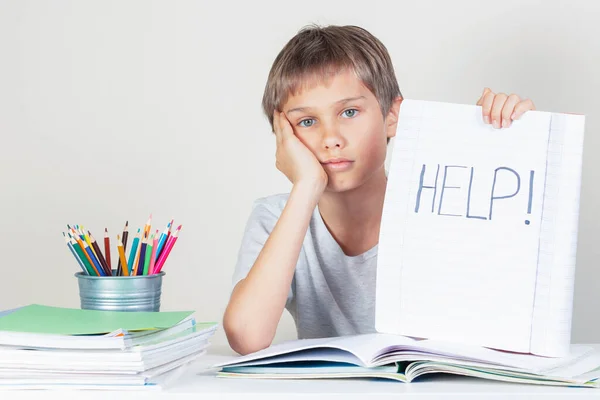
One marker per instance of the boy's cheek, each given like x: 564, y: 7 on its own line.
x: 372, y: 148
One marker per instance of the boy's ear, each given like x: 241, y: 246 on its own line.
x: 391, y: 120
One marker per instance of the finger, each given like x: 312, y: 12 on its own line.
x: 508, y: 109
x: 496, y: 113
x: 522, y: 107
x: 485, y: 92
x: 276, y: 126
x: 486, y: 106
x: 286, y: 127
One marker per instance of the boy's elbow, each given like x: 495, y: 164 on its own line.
x: 241, y: 339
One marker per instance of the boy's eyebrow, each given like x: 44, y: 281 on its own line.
x: 342, y: 101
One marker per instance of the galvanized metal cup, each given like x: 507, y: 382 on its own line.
x: 120, y: 293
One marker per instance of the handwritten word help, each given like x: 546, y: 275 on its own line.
x: 438, y: 187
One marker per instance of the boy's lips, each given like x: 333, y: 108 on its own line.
x: 337, y: 164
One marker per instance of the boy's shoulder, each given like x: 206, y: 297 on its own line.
x: 274, y: 203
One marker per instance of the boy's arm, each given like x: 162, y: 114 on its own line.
x: 257, y: 301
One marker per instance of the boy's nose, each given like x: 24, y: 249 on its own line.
x: 332, y: 139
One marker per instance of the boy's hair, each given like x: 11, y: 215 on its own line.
x: 321, y: 52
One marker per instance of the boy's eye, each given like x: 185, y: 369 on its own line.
x: 350, y: 112
x: 309, y: 122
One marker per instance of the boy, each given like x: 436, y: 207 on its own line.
x: 333, y: 101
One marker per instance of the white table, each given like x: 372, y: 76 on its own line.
x: 197, y: 383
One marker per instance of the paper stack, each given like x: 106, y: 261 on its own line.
x: 48, y: 347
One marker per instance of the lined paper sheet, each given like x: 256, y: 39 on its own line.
x: 462, y: 226
x: 551, y: 330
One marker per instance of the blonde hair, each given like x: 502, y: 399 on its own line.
x: 319, y: 53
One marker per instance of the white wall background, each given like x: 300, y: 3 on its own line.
x: 110, y: 110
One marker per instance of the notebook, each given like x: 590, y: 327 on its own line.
x: 51, y: 347
x: 56, y: 327
x: 479, y: 229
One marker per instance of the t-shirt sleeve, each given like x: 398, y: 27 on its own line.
x: 259, y: 226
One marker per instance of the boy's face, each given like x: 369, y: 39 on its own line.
x: 341, y: 118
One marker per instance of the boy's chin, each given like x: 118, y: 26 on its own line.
x: 338, y: 184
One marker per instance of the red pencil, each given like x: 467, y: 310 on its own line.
x: 107, y: 249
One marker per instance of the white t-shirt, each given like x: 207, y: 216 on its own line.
x: 332, y: 294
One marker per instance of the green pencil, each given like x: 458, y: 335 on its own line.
x: 83, y: 258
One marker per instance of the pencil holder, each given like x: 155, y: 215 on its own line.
x: 120, y: 293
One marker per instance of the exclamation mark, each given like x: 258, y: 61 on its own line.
x: 531, y: 173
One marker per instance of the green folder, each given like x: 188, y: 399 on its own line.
x: 36, y: 318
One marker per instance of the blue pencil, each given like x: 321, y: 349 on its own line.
x: 162, y: 240
x: 90, y: 253
x: 140, y: 266
x: 68, y: 240
x: 132, y: 252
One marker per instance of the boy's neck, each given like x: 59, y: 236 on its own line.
x: 354, y: 217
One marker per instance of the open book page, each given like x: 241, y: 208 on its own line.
x: 418, y: 369
x: 527, y: 362
x: 461, y: 224
x: 361, y: 349
x: 551, y: 330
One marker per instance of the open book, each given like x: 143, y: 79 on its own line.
x: 405, y: 359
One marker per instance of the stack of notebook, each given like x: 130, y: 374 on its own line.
x: 50, y: 347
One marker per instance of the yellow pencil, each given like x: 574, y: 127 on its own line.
x: 121, y: 251
x: 88, y: 241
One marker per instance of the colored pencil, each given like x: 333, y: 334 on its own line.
x: 153, y: 256
x: 142, y: 258
x: 122, y: 261
x: 148, y: 225
x: 97, y: 265
x: 162, y: 240
x: 125, y: 235
x: 70, y: 246
x: 99, y: 254
x: 82, y: 256
x: 168, y: 247
x: 133, y: 252
x: 81, y: 244
x: 107, y: 250
x: 170, y: 228
x: 87, y: 239
x: 148, y: 254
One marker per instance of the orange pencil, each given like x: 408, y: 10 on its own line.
x: 148, y: 225
x: 121, y: 251
x: 80, y: 244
